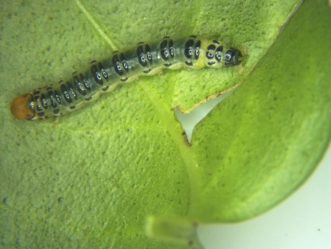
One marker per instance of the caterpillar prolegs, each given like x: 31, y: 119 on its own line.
x: 145, y: 59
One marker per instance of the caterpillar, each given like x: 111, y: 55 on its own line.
x: 145, y: 59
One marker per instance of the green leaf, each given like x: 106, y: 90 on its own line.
x: 91, y: 179
x: 268, y: 137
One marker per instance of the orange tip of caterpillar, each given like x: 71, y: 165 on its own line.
x: 20, y: 108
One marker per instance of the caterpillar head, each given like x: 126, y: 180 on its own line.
x: 20, y: 108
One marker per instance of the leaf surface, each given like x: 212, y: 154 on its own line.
x: 90, y: 180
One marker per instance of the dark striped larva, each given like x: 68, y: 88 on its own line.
x: 146, y: 59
